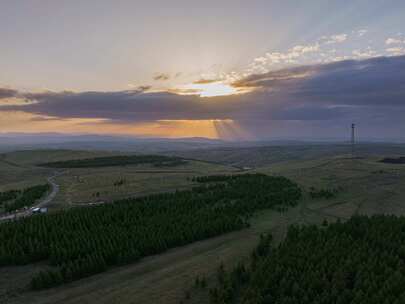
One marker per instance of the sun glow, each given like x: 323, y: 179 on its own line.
x: 208, y: 89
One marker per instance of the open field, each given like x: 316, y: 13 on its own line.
x: 17, y: 176
x: 367, y: 187
x: 158, y: 279
x: 19, y: 170
x: 90, y: 185
x: 97, y: 184
x: 257, y: 157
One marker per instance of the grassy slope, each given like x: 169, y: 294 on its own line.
x: 32, y: 157
x: 14, y: 176
x: 19, y: 170
x: 369, y: 187
x: 257, y: 157
x: 158, y: 279
x: 80, y: 185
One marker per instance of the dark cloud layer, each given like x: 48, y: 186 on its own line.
x: 367, y: 91
x: 377, y: 81
x: 161, y: 77
x: 205, y: 81
x: 7, y: 93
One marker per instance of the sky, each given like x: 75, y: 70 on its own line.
x: 230, y: 69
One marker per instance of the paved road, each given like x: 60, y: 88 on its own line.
x: 42, y: 203
x: 55, y: 189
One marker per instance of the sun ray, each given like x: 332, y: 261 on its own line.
x: 211, y: 89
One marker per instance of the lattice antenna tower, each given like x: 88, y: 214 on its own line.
x: 353, y: 139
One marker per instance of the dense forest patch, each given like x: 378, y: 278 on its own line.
x: 323, y: 193
x: 360, y: 261
x: 9, y: 195
x: 83, y: 241
x: 122, y: 160
x: 398, y: 160
x: 16, y: 199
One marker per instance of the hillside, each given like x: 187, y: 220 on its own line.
x: 366, y: 186
x: 256, y: 157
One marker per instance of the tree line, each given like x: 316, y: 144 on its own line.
x: 16, y: 199
x: 398, y: 160
x: 323, y: 193
x: 87, y: 240
x: 120, y: 160
x: 360, y: 261
x: 9, y: 195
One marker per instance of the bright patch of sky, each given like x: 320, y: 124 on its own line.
x: 358, y: 44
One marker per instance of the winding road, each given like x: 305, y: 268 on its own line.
x: 42, y: 203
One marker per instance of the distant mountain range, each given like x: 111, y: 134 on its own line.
x: 23, y: 141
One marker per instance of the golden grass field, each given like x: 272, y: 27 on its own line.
x: 367, y: 187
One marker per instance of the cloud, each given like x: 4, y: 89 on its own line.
x: 260, y: 60
x: 276, y: 79
x: 143, y: 88
x: 326, y: 49
x: 278, y: 57
x: 291, y: 56
x: 307, y: 113
x: 362, y: 54
x: 353, y: 90
x: 336, y: 39
x: 376, y: 81
x: 396, y: 51
x: 161, y: 77
x: 390, y: 41
x: 205, y: 81
x: 362, y: 32
x: 139, y: 88
x: 131, y: 105
x: 8, y: 93
x: 306, y: 48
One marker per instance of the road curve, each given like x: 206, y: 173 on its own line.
x: 42, y: 203
x: 55, y: 189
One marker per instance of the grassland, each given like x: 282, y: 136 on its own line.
x: 94, y: 185
x: 19, y: 170
x: 368, y: 187
x: 17, y: 176
x: 257, y: 157
x: 117, y: 160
